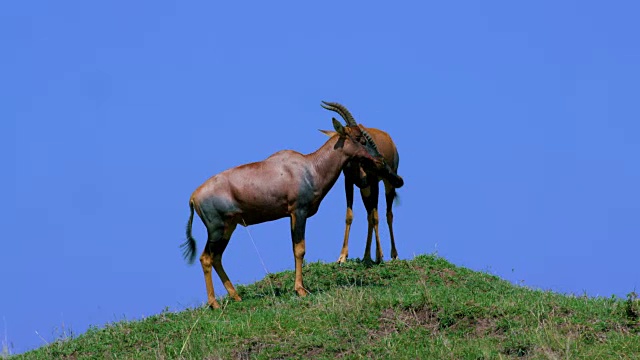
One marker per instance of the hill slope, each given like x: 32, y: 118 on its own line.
x: 422, y: 308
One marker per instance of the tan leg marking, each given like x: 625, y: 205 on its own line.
x: 298, y: 252
x: 389, y: 197
x: 394, y: 252
x: 366, y: 258
x: 207, y: 261
x: 374, y: 219
x: 344, y: 253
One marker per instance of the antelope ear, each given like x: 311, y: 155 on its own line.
x: 338, y: 126
x: 329, y: 133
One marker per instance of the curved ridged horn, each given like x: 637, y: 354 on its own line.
x: 340, y: 109
x: 369, y: 140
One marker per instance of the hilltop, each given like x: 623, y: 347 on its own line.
x: 407, y: 309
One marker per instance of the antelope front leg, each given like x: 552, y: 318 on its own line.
x: 298, y: 224
x: 344, y: 253
x: 374, y: 219
x: 390, y: 195
x: 370, y: 199
x: 366, y: 258
x: 394, y: 252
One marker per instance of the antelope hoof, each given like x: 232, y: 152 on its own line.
x: 394, y: 255
x: 342, y: 259
x: 302, y: 291
x: 213, y: 305
x: 237, y: 298
x: 367, y: 261
x: 379, y: 257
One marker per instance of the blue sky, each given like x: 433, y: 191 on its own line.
x: 517, y: 127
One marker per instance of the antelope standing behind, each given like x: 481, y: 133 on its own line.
x: 367, y: 180
x: 286, y: 184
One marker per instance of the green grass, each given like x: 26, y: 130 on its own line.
x: 425, y: 308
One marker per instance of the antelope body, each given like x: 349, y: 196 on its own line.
x: 368, y: 180
x: 287, y: 184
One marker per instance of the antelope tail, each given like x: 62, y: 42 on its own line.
x: 189, y: 246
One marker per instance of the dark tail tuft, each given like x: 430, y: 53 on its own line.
x: 189, y: 246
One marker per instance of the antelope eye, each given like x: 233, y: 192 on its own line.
x: 363, y: 141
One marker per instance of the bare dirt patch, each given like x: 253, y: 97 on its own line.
x: 484, y: 326
x: 395, y: 320
x: 313, y: 352
x: 248, y: 349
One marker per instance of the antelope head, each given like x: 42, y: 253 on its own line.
x: 358, y: 133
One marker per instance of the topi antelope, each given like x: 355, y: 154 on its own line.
x: 286, y: 184
x: 367, y: 180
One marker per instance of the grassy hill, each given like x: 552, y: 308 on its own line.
x: 424, y: 308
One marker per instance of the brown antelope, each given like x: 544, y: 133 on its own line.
x: 286, y: 184
x: 367, y: 180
